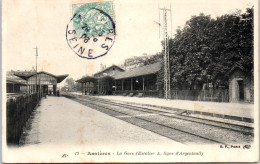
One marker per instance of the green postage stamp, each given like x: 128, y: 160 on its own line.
x: 91, y: 31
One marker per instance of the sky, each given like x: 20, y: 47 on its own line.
x: 42, y: 23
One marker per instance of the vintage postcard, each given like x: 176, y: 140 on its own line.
x: 130, y: 81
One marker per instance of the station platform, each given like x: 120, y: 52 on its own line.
x: 234, y: 111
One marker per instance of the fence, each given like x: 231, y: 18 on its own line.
x: 146, y: 93
x: 220, y: 95
x: 18, y: 110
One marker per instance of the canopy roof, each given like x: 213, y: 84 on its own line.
x: 93, y: 79
x: 60, y: 78
x: 12, y: 81
x: 86, y: 79
x: 140, y: 71
x: 26, y: 75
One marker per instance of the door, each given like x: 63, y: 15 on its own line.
x: 240, y: 90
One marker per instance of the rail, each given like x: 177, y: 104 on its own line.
x: 186, y: 130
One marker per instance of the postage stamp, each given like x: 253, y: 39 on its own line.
x: 91, y: 31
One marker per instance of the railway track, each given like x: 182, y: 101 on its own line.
x: 176, y: 113
x: 170, y: 123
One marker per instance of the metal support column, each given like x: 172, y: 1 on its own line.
x: 89, y: 87
x: 143, y: 84
x: 131, y: 84
x: 122, y: 85
x: 85, y: 88
x: 82, y: 89
x: 98, y: 86
x: 115, y: 85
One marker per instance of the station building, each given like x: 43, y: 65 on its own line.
x: 139, y: 81
x: 15, y: 86
x: 46, y: 82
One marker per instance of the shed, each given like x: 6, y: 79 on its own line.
x: 241, y: 85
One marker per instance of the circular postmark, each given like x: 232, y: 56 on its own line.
x: 91, y: 31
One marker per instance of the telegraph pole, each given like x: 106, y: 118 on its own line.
x: 167, y: 89
x: 36, y: 68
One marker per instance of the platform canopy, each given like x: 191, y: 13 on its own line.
x: 105, y: 77
x: 86, y: 79
x: 11, y: 81
x: 140, y: 71
x: 26, y: 75
x: 11, y: 78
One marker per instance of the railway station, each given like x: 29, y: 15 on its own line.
x: 131, y: 96
x: 114, y: 80
x: 14, y: 86
x: 166, y: 94
x: 41, y: 81
x: 142, y: 82
x: 24, y: 91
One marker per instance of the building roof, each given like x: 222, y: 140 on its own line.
x: 12, y: 81
x: 86, y: 79
x: 93, y: 79
x: 26, y: 75
x: 60, y: 78
x: 140, y: 71
x: 234, y: 68
x: 108, y: 68
x: 105, y: 77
